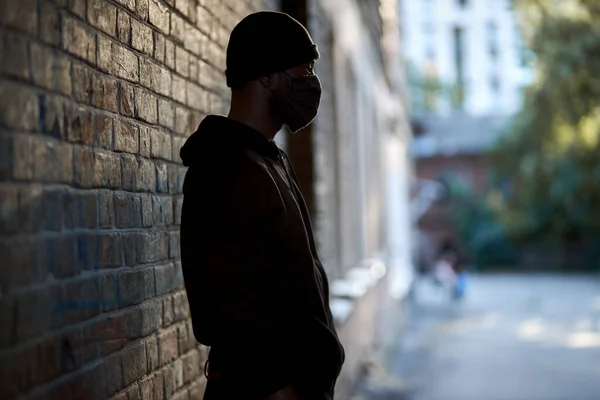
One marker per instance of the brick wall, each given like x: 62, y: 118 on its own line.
x: 96, y: 98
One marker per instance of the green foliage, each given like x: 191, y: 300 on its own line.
x: 551, y: 151
x: 477, y: 226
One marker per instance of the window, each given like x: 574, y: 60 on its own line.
x: 458, y: 63
x: 495, y: 83
x: 492, y: 33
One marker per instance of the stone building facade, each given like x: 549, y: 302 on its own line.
x: 96, y: 98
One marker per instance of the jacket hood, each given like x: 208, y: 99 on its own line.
x: 217, y: 135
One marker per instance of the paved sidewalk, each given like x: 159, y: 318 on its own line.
x: 513, y: 338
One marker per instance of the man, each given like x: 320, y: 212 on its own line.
x: 257, y: 291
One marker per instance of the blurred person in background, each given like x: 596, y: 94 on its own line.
x: 258, y: 294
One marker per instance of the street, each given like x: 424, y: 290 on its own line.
x: 533, y: 337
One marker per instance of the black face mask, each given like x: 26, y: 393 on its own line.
x: 297, y: 106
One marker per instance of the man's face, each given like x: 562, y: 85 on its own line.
x: 281, y: 83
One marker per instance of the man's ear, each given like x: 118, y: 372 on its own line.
x: 268, y: 81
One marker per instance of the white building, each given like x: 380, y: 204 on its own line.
x: 473, y: 44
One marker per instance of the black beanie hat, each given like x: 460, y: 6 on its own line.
x: 265, y: 42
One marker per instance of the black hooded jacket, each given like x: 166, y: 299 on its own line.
x: 257, y: 291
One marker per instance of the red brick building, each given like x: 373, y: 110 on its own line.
x: 96, y: 99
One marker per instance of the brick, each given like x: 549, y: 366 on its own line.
x: 177, y: 210
x: 130, y: 172
x: 197, y: 98
x: 180, y: 306
x: 147, y: 210
x: 104, y: 93
x: 81, y: 302
x: 30, y: 208
x: 146, y: 106
x: 107, y: 170
x: 126, y: 137
x: 162, y: 178
x: 169, y: 54
x: 22, y: 374
x: 81, y: 83
x: 52, y: 210
x: 141, y: 37
x: 144, y: 141
x: 134, y: 392
x: 84, y: 167
x: 174, y: 245
x: 108, y: 292
x: 50, y: 70
x: 166, y: 113
x: 177, y: 27
x: 13, y: 52
x: 142, y: 8
x: 191, y: 366
x: 155, y: 77
x: 168, y: 312
x: 9, y: 209
x: 106, y: 210
x: 185, y: 7
x: 204, y: 20
x: 166, y: 278
x: 112, y: 370
x: 60, y: 256
x: 134, y: 362
x: 193, y: 67
x: 170, y: 381
x: 87, y: 251
x: 21, y: 15
x: 104, y: 126
x: 179, y: 89
x: 143, y: 320
x: 183, y: 118
x: 160, y: 145
x: 132, y: 288
x: 159, y: 15
x: 53, y: 161
x: 52, y: 109
x: 6, y: 157
x: 178, y: 143
x: 159, y: 47
x: 78, y: 41
x: 173, y: 172
x: 182, y: 61
x: 130, y: 4
x: 129, y: 248
x: 167, y: 346
x: 152, y: 353
x: 111, y: 250
x: 177, y: 368
x: 147, y: 176
x: 197, y: 389
x: 127, y: 100
x: 22, y: 257
x: 81, y: 210
x: 20, y: 107
x: 153, y: 387
x: 163, y: 210
x: 109, y: 332
x: 102, y: 15
x: 49, y: 358
x: 117, y: 60
x: 127, y: 210
x: 152, y: 247
x: 124, y: 27
x: 77, y: 7
x: 195, y: 42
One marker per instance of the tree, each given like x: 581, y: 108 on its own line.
x: 551, y: 152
